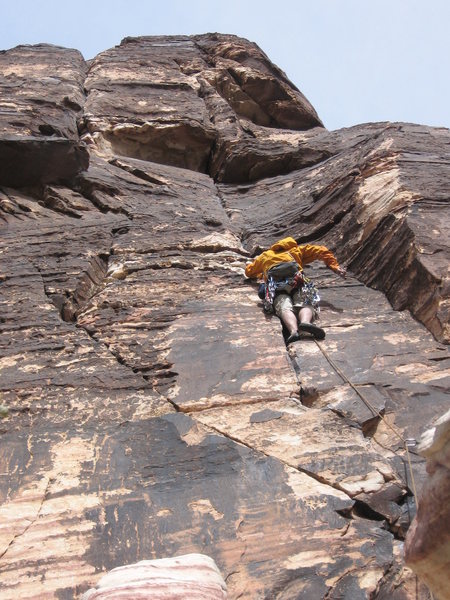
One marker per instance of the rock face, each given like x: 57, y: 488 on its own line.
x: 41, y: 97
x: 428, y: 540
x: 154, y: 98
x: 189, y: 577
x: 154, y: 409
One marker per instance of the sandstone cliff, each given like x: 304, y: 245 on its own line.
x: 427, y: 547
x: 154, y: 409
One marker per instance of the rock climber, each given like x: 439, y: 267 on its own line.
x: 286, y: 290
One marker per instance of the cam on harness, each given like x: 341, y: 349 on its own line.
x: 287, y: 277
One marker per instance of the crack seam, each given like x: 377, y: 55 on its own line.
x: 298, y: 468
x: 22, y: 533
x: 238, y: 402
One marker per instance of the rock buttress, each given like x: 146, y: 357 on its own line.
x: 41, y: 96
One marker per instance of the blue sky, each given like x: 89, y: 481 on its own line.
x: 356, y: 61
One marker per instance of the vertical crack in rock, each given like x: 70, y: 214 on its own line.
x: 32, y: 520
x: 186, y: 423
x: 385, y: 197
x: 72, y: 303
x: 89, y: 283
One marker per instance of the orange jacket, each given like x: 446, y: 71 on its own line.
x: 287, y: 250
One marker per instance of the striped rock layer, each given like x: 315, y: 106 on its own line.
x: 152, y: 408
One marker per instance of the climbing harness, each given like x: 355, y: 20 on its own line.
x: 308, y: 292
x: 310, y: 295
x: 276, y: 284
x: 405, y: 442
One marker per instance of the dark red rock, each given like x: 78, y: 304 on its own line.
x: 253, y: 86
x: 124, y: 306
x: 41, y: 91
x: 152, y: 97
x: 369, y: 204
x: 32, y: 160
x: 41, y: 96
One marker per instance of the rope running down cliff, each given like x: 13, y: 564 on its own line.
x: 377, y: 413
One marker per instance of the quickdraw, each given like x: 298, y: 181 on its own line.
x: 309, y: 292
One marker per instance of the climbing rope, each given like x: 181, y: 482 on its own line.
x: 377, y: 413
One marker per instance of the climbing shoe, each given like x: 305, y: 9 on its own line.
x: 317, y: 332
x: 294, y: 337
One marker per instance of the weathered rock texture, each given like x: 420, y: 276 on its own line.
x: 189, y: 577
x: 428, y: 540
x: 41, y: 96
x: 154, y: 409
x: 154, y: 98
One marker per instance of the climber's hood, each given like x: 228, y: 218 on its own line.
x: 283, y: 245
